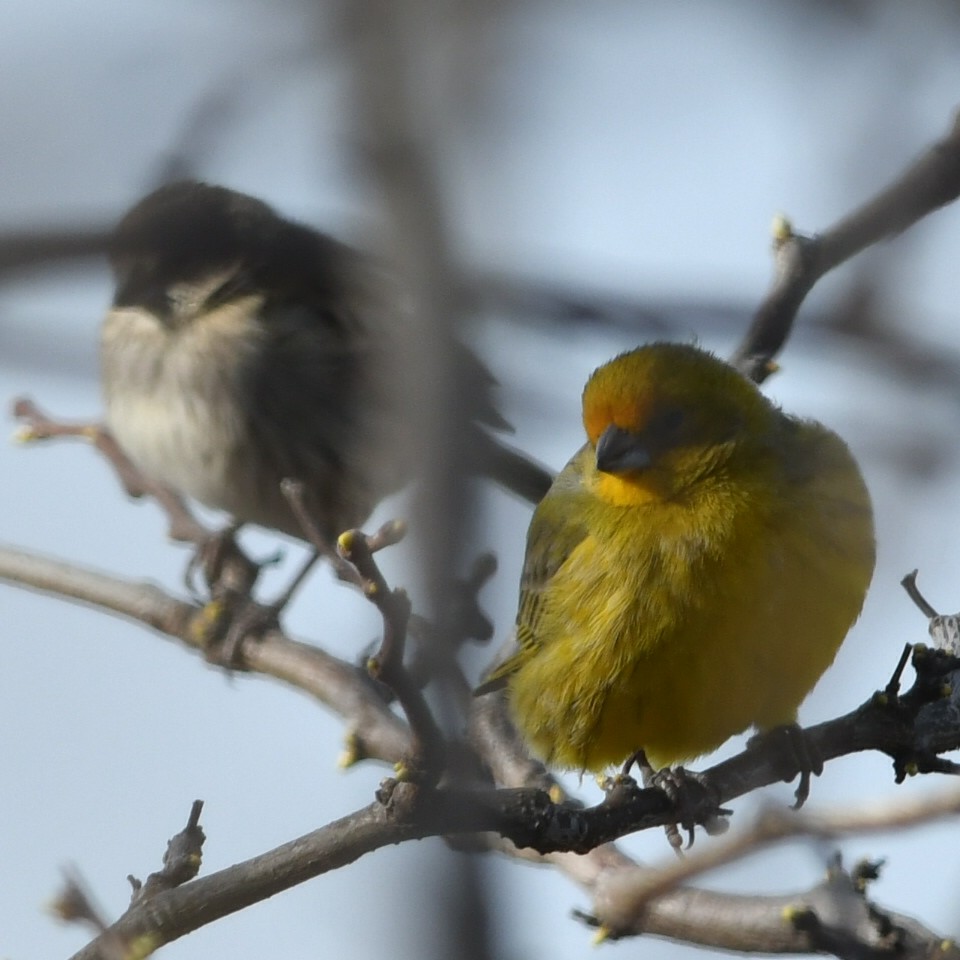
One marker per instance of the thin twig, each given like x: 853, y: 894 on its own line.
x: 428, y: 757
x: 928, y: 184
x: 184, y: 527
x: 909, y: 583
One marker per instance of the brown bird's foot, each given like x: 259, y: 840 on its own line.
x: 222, y: 566
x: 690, y: 794
x: 252, y: 619
x: 796, y: 752
x: 233, y: 616
x: 223, y: 627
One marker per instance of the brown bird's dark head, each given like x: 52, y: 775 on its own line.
x: 189, y: 247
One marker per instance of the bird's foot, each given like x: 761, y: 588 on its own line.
x: 797, y: 754
x: 690, y: 794
x: 230, y: 613
x: 619, y: 789
x: 221, y: 566
x: 222, y: 627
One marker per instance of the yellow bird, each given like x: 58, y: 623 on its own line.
x: 691, y: 572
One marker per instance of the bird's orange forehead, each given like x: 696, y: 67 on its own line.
x: 631, y: 389
x: 628, y: 413
x: 623, y: 392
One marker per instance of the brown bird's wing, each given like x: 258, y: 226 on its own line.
x: 556, y: 530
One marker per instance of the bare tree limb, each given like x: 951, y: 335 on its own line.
x: 928, y: 184
x: 527, y: 815
x: 749, y: 923
x: 797, y: 923
x: 27, y: 249
x: 173, y: 913
x: 831, y: 917
x: 914, y: 728
x: 428, y: 758
x: 342, y: 687
x: 633, y: 892
x: 38, y: 426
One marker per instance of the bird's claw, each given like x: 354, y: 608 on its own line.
x: 798, y: 753
x: 688, y: 792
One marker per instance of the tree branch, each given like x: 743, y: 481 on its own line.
x: 172, y: 913
x: 928, y: 184
x: 342, y: 687
x: 632, y: 892
x: 912, y: 728
x: 526, y: 815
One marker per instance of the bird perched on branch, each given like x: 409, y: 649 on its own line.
x: 692, y: 571
x: 242, y: 349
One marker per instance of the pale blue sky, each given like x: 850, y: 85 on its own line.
x: 633, y: 148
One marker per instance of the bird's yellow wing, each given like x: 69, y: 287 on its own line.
x: 555, y: 532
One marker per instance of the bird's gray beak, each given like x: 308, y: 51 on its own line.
x: 620, y: 451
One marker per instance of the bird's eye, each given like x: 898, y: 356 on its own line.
x: 173, y: 299
x: 184, y: 298
x: 670, y: 421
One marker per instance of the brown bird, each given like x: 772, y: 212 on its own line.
x: 242, y: 348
